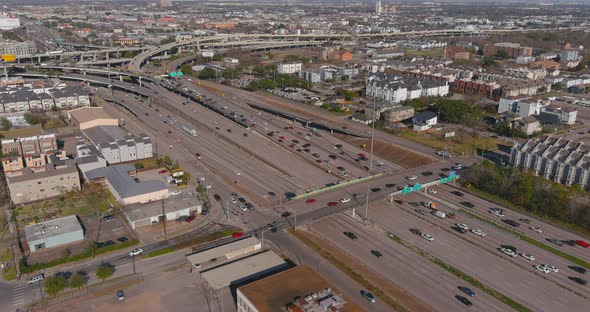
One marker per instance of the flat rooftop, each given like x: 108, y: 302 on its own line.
x: 106, y: 134
x: 85, y: 114
x: 136, y: 212
x: 119, y: 178
x: 272, y: 293
x: 243, y: 268
x: 223, y: 250
x: 52, y: 228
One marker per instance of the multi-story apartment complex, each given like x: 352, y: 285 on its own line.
x: 25, y: 99
x: 53, y: 179
x: 397, y: 89
x: 513, y: 50
x: 18, y: 48
x: 116, y: 146
x: 526, y: 73
x: 39, y: 144
x: 289, y: 68
x: 554, y: 158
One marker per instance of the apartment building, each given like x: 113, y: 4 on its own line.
x: 289, y: 68
x: 555, y: 158
x: 116, y: 146
x: 25, y: 99
x: 526, y: 73
x: 19, y: 49
x: 513, y: 50
x: 38, y: 144
x: 397, y: 89
x: 522, y: 107
x: 52, y: 180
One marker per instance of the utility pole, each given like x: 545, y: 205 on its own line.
x: 164, y: 217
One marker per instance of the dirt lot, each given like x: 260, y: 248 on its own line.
x: 392, y: 153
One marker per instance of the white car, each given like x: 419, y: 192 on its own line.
x: 497, y: 213
x: 237, y: 173
x: 508, y: 252
x: 243, y: 207
x: 457, y: 166
x: 411, y: 178
x: 479, y: 232
x: 551, y: 268
x: 344, y: 173
x: 427, y: 237
x: 35, y: 279
x: 175, y: 193
x: 536, y: 229
x: 462, y: 226
x: 542, y: 268
x: 234, y: 201
x: 432, y: 191
x: 135, y: 252
x: 345, y: 200
x: 528, y: 256
x: 379, y: 163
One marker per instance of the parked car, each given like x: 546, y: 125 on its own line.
x: 367, y: 295
x: 377, y: 254
x: 344, y: 200
x: 163, y: 171
x: 350, y: 235
x: 237, y: 234
x: 310, y: 201
x: 120, y: 295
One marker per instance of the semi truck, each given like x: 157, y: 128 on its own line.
x: 190, y: 131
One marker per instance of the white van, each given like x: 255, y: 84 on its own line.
x: 35, y: 279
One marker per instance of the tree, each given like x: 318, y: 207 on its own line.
x: 488, y: 62
x: 78, y: 280
x: 54, y: 284
x: 105, y: 270
x: 167, y: 40
x: 502, y: 54
x: 138, y: 165
x: 34, y: 119
x: 4, y: 124
x: 168, y: 160
x: 347, y: 94
x: 208, y: 73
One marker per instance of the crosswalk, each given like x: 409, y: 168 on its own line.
x: 18, y: 295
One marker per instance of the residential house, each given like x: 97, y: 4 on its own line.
x: 425, y: 120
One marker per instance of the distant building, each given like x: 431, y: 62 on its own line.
x: 54, y: 179
x: 19, y: 49
x: 554, y: 158
x: 569, y: 55
x: 289, y: 68
x: 424, y: 121
x: 88, y: 117
x: 298, y: 289
x: 165, y: 3
x: 339, y: 55
x: 361, y: 118
x: 554, y: 114
x: 8, y: 21
x: 513, y: 50
x: 399, y: 113
x: 397, y: 89
x: 54, y: 233
x: 526, y: 73
x: 456, y: 53
x: 378, y: 7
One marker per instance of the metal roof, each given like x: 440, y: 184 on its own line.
x: 223, y: 250
x: 119, y: 178
x: 243, y: 268
x: 52, y: 228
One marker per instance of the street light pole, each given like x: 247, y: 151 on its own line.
x: 371, y: 154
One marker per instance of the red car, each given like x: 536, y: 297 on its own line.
x: 310, y: 201
x: 332, y: 204
x: 237, y: 235
x: 282, y: 137
x: 290, y: 127
x: 163, y: 171
x: 189, y: 219
x: 583, y: 243
x: 361, y: 155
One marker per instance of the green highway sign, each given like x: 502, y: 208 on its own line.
x: 179, y: 74
x: 417, y: 186
x: 173, y: 74
x: 406, y: 190
x: 444, y: 180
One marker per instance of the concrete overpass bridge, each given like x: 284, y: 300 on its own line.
x: 93, y: 55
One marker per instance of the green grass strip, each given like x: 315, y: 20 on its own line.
x: 462, y: 275
x: 350, y: 272
x: 160, y: 252
x: 532, y: 241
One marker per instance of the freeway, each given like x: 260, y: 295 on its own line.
x: 492, y: 269
x: 549, y: 231
x: 428, y: 282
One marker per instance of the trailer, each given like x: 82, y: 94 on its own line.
x: 440, y: 214
x: 190, y: 131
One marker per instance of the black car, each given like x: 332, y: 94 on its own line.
x: 350, y: 235
x: 375, y: 189
x: 464, y: 300
x: 341, y: 168
x: 332, y: 156
x: 108, y: 243
x: 571, y: 243
x: 457, y: 193
x: 555, y: 241
x: 578, y: 280
x: 460, y: 230
x: 427, y: 173
x: 390, y: 185
x: 376, y: 253
x: 467, y: 204
x: 416, y: 231
x: 467, y: 291
x: 578, y: 269
x: 109, y: 218
x: 122, y: 239
x: 509, y: 247
x: 511, y: 222
x: 286, y: 214
x: 242, y: 200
